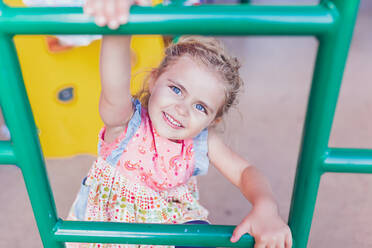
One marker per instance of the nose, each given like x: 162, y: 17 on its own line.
x: 181, y: 109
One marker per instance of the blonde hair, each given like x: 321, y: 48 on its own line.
x: 211, y: 53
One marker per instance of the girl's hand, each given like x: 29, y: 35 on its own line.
x: 263, y: 222
x: 267, y: 228
x: 112, y: 13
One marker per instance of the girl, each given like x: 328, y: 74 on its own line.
x: 154, y: 145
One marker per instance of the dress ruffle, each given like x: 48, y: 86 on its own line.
x: 109, y: 196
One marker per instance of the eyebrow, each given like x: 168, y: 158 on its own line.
x: 210, y: 110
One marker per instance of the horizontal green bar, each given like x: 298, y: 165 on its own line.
x: 151, y: 234
x: 348, y: 160
x: 7, y: 155
x: 171, y: 20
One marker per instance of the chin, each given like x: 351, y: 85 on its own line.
x: 170, y: 134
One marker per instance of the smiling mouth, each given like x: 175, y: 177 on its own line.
x: 171, y: 121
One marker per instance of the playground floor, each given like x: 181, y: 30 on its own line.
x: 266, y: 129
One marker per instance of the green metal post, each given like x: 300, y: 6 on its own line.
x: 25, y: 142
x: 330, y: 63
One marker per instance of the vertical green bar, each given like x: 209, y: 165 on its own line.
x: 330, y: 63
x: 18, y: 116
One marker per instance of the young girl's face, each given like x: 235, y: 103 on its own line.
x: 185, y: 99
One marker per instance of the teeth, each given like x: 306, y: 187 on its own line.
x: 173, y: 121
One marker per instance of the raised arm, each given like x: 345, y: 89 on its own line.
x: 115, y: 105
x: 115, y: 102
x: 263, y: 222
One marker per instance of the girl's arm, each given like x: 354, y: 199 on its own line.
x: 263, y: 222
x: 115, y: 104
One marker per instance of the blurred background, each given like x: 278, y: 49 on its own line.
x: 266, y: 129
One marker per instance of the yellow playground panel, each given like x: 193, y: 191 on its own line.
x: 63, y: 88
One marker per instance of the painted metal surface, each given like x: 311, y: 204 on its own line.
x: 165, y: 234
x: 330, y: 62
x: 348, y: 160
x: 25, y: 141
x: 176, y: 20
x: 331, y: 22
x: 7, y: 155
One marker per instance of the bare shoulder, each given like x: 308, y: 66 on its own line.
x: 228, y: 162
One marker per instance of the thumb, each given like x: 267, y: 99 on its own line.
x: 239, y: 231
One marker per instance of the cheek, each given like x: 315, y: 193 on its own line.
x: 161, y: 94
x: 158, y: 99
x: 201, y: 121
x: 154, y: 99
x: 152, y: 106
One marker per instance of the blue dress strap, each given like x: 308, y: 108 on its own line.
x: 132, y: 128
x: 201, y: 159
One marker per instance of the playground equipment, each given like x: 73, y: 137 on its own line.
x: 331, y: 22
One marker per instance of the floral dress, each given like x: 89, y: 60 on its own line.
x: 142, y: 178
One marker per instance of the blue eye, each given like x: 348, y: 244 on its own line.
x: 200, y: 108
x: 176, y: 90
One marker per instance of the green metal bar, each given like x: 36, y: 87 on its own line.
x: 171, y: 20
x: 178, y: 2
x: 155, y: 234
x: 348, y: 160
x: 7, y: 155
x: 330, y: 62
x: 17, y: 113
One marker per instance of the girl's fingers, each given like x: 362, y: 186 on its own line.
x: 113, y: 24
x: 268, y: 241
x: 123, y: 7
x: 272, y: 244
x: 99, y: 13
x: 260, y: 245
x: 280, y: 243
x: 88, y: 7
x: 100, y: 20
x: 288, y: 241
x: 238, y: 233
x: 111, y: 10
x: 98, y: 6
